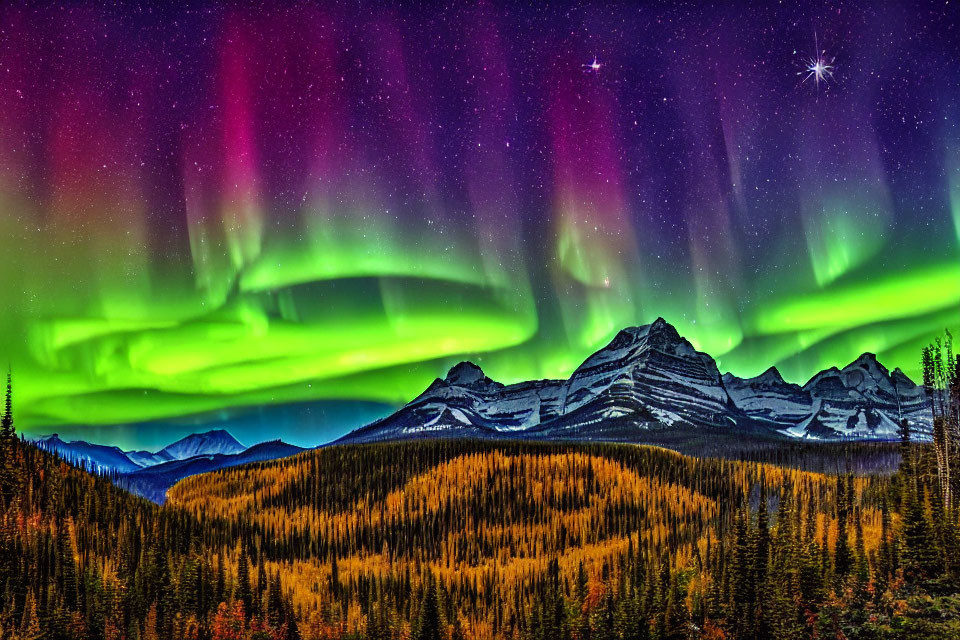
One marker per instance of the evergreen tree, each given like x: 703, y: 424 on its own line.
x: 9, y: 468
x: 244, y: 592
x: 30, y: 623
x: 677, y: 616
x: 760, y: 561
x: 918, y: 552
x: 741, y: 590
x: 842, y: 560
x: 428, y: 622
x: 457, y: 633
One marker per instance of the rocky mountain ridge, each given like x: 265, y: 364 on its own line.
x: 650, y: 377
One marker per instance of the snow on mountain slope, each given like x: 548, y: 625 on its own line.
x: 199, y: 444
x: 768, y: 397
x: 647, y: 377
x: 650, y: 377
x: 865, y: 400
x: 666, y: 374
x: 148, y: 458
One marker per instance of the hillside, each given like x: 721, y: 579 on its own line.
x: 367, y: 541
x: 80, y: 558
x: 500, y: 534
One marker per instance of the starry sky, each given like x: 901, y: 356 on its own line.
x: 293, y: 219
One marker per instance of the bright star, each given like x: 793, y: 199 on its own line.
x: 593, y: 67
x: 818, y: 67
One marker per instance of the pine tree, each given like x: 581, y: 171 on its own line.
x: 760, y: 560
x: 274, y: 613
x: 7, y: 431
x: 861, y: 566
x: 918, y: 553
x: 581, y: 620
x: 244, y: 592
x: 842, y: 560
x: 457, y: 633
x: 10, y: 475
x: 150, y: 624
x: 884, y: 565
x: 428, y: 622
x: 30, y: 623
x: 677, y: 616
x: 741, y: 590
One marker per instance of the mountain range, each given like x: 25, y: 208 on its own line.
x: 650, y: 378
x: 104, y: 458
x: 150, y: 474
x: 648, y: 384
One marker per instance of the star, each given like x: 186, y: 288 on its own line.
x: 592, y: 67
x: 818, y: 67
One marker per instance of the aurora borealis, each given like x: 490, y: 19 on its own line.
x: 203, y: 210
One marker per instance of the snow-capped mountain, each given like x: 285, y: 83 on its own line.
x: 650, y: 377
x: 769, y: 398
x: 864, y: 397
x: 203, y: 444
x: 862, y: 400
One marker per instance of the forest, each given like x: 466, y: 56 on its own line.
x: 477, y: 539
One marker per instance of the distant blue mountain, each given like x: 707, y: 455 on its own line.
x: 150, y: 474
x: 96, y: 457
x: 104, y: 458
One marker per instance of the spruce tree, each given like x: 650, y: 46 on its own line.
x: 677, y: 617
x: 842, y: 559
x: 428, y: 622
x: 9, y: 471
x: 244, y: 592
x: 760, y: 560
x: 6, y: 421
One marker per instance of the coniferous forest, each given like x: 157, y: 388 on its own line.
x: 477, y: 539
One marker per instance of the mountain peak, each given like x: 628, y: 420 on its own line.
x: 658, y: 333
x: 864, y: 359
x: 465, y: 374
x: 868, y: 361
x: 770, y: 376
x: 661, y: 327
x: 660, y: 323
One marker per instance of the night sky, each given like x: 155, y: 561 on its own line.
x: 212, y: 211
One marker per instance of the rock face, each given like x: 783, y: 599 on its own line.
x: 769, y: 398
x: 650, y: 377
x: 862, y: 400
x: 865, y: 398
